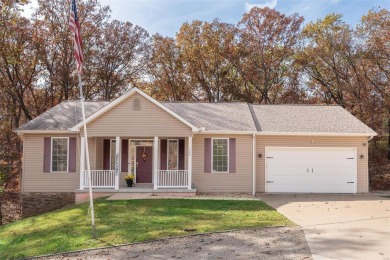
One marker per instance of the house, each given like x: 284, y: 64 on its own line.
x: 187, y: 147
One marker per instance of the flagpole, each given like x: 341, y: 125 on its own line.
x: 87, y: 156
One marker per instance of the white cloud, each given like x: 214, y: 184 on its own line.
x: 268, y: 3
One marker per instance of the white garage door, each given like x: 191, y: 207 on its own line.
x: 310, y: 170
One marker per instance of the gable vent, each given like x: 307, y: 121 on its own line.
x: 136, y: 104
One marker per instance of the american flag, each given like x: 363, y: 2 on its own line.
x: 75, y: 28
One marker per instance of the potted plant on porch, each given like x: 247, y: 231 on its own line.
x: 129, y: 180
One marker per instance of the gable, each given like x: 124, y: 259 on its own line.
x: 127, y: 121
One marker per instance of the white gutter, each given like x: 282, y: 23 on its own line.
x: 315, y: 134
x: 214, y: 132
x: 226, y: 132
x: 253, y: 164
x: 44, y: 131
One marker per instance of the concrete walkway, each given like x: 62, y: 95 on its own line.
x: 201, y: 196
x: 339, y: 226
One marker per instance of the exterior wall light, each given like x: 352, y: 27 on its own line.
x: 362, y: 156
x: 260, y: 155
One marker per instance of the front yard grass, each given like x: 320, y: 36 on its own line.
x: 127, y: 221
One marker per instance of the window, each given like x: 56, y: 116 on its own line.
x: 173, y: 154
x: 59, y: 154
x: 112, y: 154
x: 220, y: 156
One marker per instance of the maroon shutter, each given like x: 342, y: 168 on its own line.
x: 125, y: 155
x: 181, y: 154
x: 207, y: 155
x: 72, y: 154
x: 163, y: 155
x: 106, y: 154
x: 46, y: 154
x: 232, y: 155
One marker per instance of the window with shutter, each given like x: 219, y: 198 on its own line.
x: 59, y: 154
x: 220, y: 155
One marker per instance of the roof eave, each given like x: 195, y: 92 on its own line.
x: 42, y: 131
x: 316, y: 134
x: 205, y: 132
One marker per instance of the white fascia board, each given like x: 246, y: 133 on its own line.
x: 226, y: 132
x: 124, y: 97
x: 103, y: 109
x: 21, y: 133
x: 286, y: 133
x: 316, y: 134
x: 194, y: 128
x: 44, y: 132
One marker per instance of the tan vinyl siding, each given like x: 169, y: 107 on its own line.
x: 241, y: 181
x: 99, y: 153
x: 313, y: 141
x: 34, y: 179
x: 92, y: 153
x: 149, y: 120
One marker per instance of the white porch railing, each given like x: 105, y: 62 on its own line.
x: 100, y: 179
x: 172, y: 178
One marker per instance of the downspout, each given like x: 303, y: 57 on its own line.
x: 253, y: 164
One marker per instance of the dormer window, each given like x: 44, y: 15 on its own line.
x: 136, y: 104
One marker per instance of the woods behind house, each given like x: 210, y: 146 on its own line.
x: 268, y: 57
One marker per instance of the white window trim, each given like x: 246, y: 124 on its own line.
x: 177, y: 159
x: 51, y: 155
x: 212, y: 154
x: 111, y: 153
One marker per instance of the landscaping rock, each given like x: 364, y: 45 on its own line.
x: 265, y: 243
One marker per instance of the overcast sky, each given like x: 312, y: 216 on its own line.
x: 166, y: 16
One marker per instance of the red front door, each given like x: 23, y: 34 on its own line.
x: 144, y: 164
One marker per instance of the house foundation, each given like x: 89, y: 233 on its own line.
x: 35, y: 203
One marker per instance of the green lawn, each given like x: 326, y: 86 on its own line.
x: 121, y: 222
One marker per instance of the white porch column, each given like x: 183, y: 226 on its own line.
x: 82, y: 162
x: 155, y: 161
x: 117, y: 161
x: 189, y: 163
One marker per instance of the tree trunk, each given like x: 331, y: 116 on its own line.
x: 388, y: 139
x: 1, y: 214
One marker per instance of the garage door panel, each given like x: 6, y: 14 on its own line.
x: 312, y: 189
x: 314, y: 170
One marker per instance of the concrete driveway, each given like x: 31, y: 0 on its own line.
x: 339, y: 226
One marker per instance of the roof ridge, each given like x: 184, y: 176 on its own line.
x: 86, y: 101
x: 299, y: 105
x: 203, y: 102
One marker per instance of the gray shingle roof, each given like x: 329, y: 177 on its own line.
x: 234, y: 116
x: 62, y: 116
x: 307, y: 119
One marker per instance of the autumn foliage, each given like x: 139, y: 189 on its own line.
x: 268, y: 57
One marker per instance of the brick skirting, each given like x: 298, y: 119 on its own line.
x: 35, y: 203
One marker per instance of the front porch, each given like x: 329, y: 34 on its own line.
x: 158, y: 164
x: 139, y: 191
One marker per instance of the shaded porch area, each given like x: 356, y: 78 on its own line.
x: 156, y: 163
